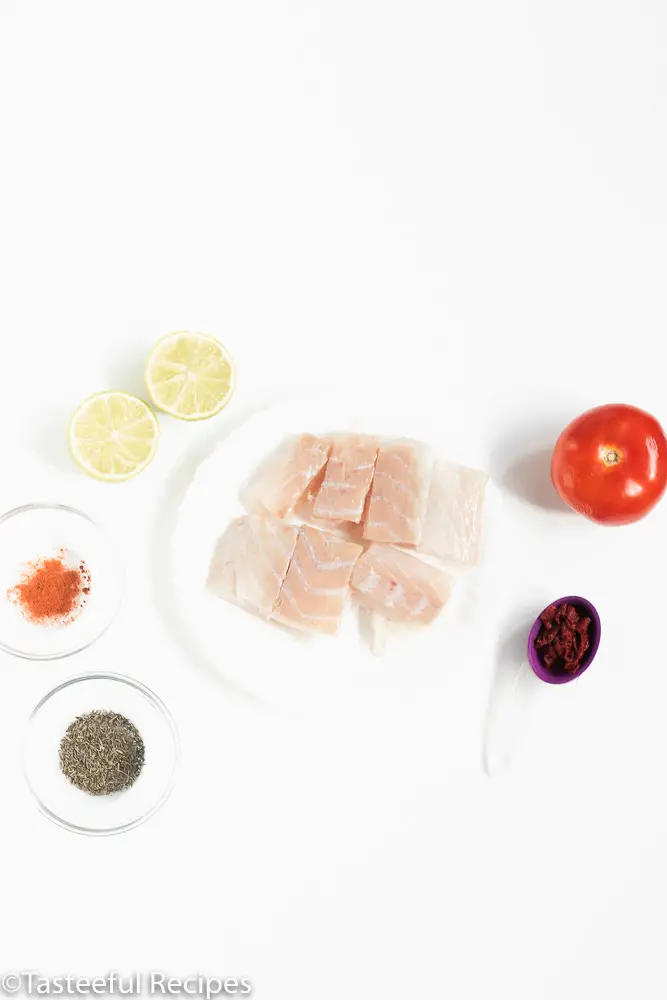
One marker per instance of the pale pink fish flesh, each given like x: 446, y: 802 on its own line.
x: 313, y: 595
x: 284, y: 478
x: 400, y: 586
x: 251, y: 560
x: 347, y: 479
x: 399, y: 493
x: 453, y: 522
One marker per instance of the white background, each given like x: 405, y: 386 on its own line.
x: 465, y: 201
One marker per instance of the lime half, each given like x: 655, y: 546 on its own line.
x: 190, y: 375
x: 113, y: 436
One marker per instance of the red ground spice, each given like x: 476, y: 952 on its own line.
x: 52, y: 592
x: 564, y: 637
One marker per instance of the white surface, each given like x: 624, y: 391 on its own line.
x: 466, y: 200
x: 280, y: 666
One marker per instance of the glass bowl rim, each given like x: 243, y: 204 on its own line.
x: 156, y: 701
x: 44, y: 505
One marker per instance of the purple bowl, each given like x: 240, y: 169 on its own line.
x: 594, y: 632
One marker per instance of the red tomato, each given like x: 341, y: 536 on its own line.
x: 610, y: 464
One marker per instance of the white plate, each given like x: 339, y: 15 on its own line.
x: 270, y: 662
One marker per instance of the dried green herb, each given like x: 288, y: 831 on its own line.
x: 102, y: 753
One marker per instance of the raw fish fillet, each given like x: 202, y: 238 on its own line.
x: 283, y: 479
x: 399, y: 493
x: 347, y: 479
x: 453, y: 523
x: 250, y: 562
x: 400, y: 586
x: 314, y: 591
x: 304, y: 508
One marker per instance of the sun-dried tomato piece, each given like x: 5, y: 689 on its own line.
x: 550, y: 658
x: 549, y: 614
x: 582, y: 625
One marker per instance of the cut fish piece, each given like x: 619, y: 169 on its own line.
x: 399, y: 493
x: 314, y: 591
x: 304, y: 508
x: 453, y: 522
x: 347, y: 479
x: 250, y: 562
x: 400, y: 586
x: 284, y: 478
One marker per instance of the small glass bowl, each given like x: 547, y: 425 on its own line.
x: 64, y: 803
x: 40, y: 531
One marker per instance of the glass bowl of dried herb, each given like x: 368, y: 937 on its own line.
x: 100, y: 754
x: 61, y: 583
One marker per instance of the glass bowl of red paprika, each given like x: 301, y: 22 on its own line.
x: 60, y: 581
x: 564, y: 640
